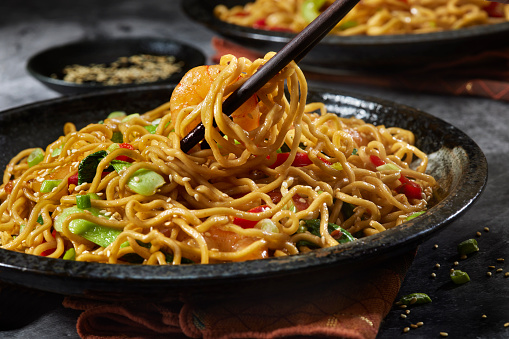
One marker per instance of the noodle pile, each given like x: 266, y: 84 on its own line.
x: 301, y: 179
x: 368, y: 17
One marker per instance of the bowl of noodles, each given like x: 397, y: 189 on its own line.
x: 298, y: 186
x: 402, y: 34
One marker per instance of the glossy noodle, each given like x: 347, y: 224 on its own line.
x: 368, y: 17
x: 283, y: 177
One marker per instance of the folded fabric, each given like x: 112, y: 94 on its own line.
x: 348, y: 307
x: 484, y: 74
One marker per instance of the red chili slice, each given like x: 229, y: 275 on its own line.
x: 73, y: 179
x: 244, y: 223
x: 411, y: 189
x: 376, y: 160
x: 301, y: 160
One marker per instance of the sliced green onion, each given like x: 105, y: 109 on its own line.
x: 467, y: 247
x: 414, y: 298
x: 48, y: 185
x: 130, y: 116
x: 267, y: 225
x: 56, y: 152
x: 83, y: 201
x: 459, y: 277
x: 151, y: 128
x: 347, y: 24
x: 70, y: 254
x: 35, y: 157
x: 116, y: 114
x: 112, y: 147
x: 415, y: 215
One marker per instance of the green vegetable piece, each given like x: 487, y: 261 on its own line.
x: 70, y: 254
x: 468, y: 246
x: 151, y: 128
x: 311, y: 9
x: 48, y: 185
x: 145, y: 182
x: 347, y: 209
x: 83, y: 201
x: 117, y: 137
x: 112, y: 147
x: 388, y: 167
x: 354, y: 152
x: 314, y: 228
x: 40, y: 220
x: 120, y: 165
x: 459, y: 277
x: 347, y: 24
x: 130, y: 116
x: 415, y: 215
x: 100, y: 235
x: 116, y: 114
x: 414, y: 298
x: 88, y: 166
x: 35, y: 157
x: 56, y: 152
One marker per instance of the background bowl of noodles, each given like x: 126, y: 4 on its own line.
x: 359, y: 52
x: 456, y: 162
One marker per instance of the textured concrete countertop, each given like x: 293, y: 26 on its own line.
x: 30, y: 26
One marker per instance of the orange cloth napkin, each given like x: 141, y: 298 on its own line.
x: 485, y: 74
x: 350, y: 307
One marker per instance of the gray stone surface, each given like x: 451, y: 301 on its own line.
x: 27, y: 27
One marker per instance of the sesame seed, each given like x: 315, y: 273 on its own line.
x: 478, y: 234
x: 433, y: 275
x: 403, y: 306
x: 406, y: 329
x: 506, y: 325
x: 486, y: 229
x: 413, y: 300
x: 463, y: 256
x: 499, y: 270
x: 137, y: 179
x: 444, y: 334
x: 413, y: 326
x: 437, y: 265
x: 506, y: 274
x: 403, y: 316
x: 451, y: 270
x: 196, y: 196
x: 488, y: 274
x: 407, y: 311
x: 186, y: 179
x: 170, y: 158
x: 491, y: 266
x: 500, y: 259
x: 420, y: 323
x: 107, y: 214
x: 435, y: 246
x: 484, y: 316
x: 456, y: 263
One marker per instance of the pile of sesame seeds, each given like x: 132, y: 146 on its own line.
x: 135, y: 69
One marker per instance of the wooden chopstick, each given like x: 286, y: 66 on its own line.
x: 295, y: 50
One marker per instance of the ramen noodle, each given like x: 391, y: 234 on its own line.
x: 280, y: 177
x: 368, y: 17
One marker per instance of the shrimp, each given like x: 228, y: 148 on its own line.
x: 193, y: 89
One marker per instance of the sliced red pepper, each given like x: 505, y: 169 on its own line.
x: 126, y: 145
x: 262, y: 24
x: 125, y: 157
x: 411, y: 189
x: 244, y: 223
x: 376, y: 160
x: 51, y: 250
x: 495, y: 10
x: 299, y: 202
x: 73, y: 180
x: 301, y: 160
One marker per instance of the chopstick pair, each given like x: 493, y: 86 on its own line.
x: 294, y: 50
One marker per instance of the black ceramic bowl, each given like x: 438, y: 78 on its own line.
x: 374, y: 53
x: 53, y: 60
x: 456, y: 161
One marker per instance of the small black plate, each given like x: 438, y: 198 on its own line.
x: 374, y: 53
x: 53, y: 60
x: 456, y: 162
